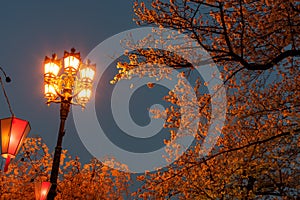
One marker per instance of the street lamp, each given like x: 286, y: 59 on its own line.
x: 73, y: 86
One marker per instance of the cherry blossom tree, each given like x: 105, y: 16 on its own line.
x: 90, y: 181
x: 256, y: 47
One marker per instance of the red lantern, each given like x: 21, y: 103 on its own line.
x: 13, y: 132
x: 41, y: 190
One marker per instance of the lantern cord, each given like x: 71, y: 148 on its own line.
x: 3, y: 88
x: 7, y: 78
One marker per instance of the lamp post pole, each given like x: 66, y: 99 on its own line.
x: 64, y: 111
x: 69, y: 88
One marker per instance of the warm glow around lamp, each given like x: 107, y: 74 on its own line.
x: 71, y: 61
x: 84, y: 95
x: 50, y: 91
x: 41, y: 190
x: 13, y: 133
x: 51, y: 66
x: 87, y: 72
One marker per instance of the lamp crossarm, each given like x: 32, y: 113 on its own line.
x: 59, y: 102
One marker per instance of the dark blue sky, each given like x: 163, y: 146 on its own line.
x: 30, y: 30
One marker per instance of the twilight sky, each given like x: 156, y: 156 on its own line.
x: 30, y: 30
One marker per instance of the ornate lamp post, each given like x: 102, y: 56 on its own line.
x: 73, y: 86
